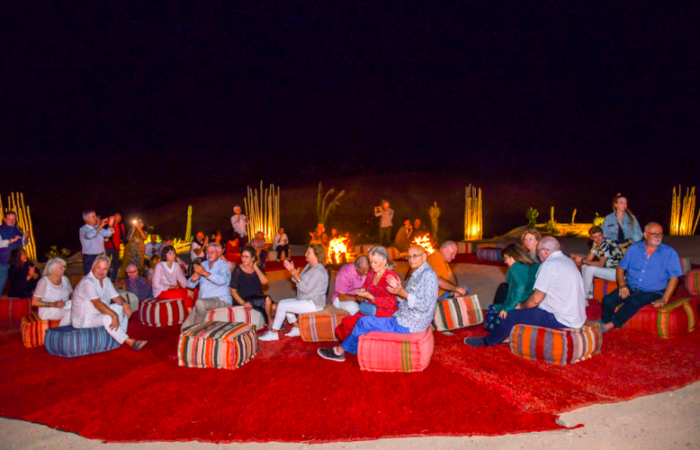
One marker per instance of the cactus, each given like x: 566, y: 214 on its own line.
x: 531, y: 215
x: 598, y: 221
x: 434, y: 215
x: 188, y: 233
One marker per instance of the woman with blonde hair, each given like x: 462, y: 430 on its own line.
x: 52, y: 293
x: 620, y: 226
x: 529, y: 240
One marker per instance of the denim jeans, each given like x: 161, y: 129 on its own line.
x: 448, y: 294
x: 87, y: 263
x: 628, y: 306
x: 4, y: 269
x: 534, y: 316
x: 367, y: 324
x: 385, y: 235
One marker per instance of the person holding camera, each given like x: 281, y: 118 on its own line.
x: 213, y: 277
x: 92, y: 237
x: 135, y: 247
x: 386, y: 216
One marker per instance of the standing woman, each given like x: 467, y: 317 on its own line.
x: 312, y: 284
x: 382, y: 303
x: 246, y: 285
x: 135, y: 248
x: 23, y: 274
x: 52, y: 293
x: 620, y: 226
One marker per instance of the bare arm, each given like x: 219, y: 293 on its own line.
x: 261, y: 276
x: 532, y: 301
x: 446, y: 285
x: 670, y: 288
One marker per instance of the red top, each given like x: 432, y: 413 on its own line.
x: 233, y: 252
x: 115, y: 237
x: 387, y: 303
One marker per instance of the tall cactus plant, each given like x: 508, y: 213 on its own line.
x: 188, y: 233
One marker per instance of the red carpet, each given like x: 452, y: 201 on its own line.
x: 287, y: 393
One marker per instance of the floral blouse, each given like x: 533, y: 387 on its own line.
x: 608, y: 249
x: 386, y: 302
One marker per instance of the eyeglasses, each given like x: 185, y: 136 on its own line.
x: 414, y: 256
x: 655, y: 234
x: 133, y: 271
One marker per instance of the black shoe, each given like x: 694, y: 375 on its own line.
x: 475, y: 342
x: 329, y: 353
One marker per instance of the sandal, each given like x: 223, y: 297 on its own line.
x: 138, y: 345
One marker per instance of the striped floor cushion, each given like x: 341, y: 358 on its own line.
x: 601, y: 288
x: 685, y: 265
x: 320, y: 326
x: 70, y: 342
x: 380, y: 351
x: 218, y: 345
x: 33, y: 329
x: 131, y: 298
x: 162, y: 313
x: 676, y: 318
x: 236, y: 314
x: 14, y: 308
x: 458, y: 312
x: 692, y: 282
x: 556, y: 346
x: 489, y: 254
x: 499, y: 245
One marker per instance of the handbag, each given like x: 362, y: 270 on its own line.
x: 368, y: 309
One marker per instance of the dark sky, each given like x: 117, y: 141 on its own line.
x: 172, y: 99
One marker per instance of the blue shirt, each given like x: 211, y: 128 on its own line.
x: 215, y: 285
x: 611, y: 225
x: 92, y: 241
x: 650, y: 274
x: 6, y: 233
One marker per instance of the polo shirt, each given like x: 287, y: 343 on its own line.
x: 650, y: 274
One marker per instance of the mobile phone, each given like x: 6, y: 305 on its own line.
x: 197, y: 261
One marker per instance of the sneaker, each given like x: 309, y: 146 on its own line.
x: 269, y: 336
x: 330, y: 354
x: 294, y: 333
x: 475, y: 342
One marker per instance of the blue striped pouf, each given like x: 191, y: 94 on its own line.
x: 489, y: 254
x: 70, y: 342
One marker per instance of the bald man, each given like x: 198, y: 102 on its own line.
x: 647, y: 274
x: 557, y: 301
x: 416, y: 307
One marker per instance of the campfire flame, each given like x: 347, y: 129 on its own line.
x: 337, y: 248
x: 424, y: 241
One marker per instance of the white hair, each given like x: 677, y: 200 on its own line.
x: 382, y: 253
x: 87, y: 213
x: 450, y: 244
x: 213, y: 244
x: 52, y: 264
x: 102, y: 258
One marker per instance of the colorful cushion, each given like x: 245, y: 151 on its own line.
x: 33, y: 330
x: 320, y: 326
x: 685, y: 265
x: 14, y: 308
x: 692, y: 282
x: 380, y: 351
x: 458, y: 312
x: 500, y: 245
x: 70, y: 342
x: 489, y: 254
x: 556, y: 346
x: 601, y: 288
x: 464, y: 247
x: 677, y: 317
x: 219, y: 345
x: 236, y: 314
x: 131, y: 298
x: 162, y: 313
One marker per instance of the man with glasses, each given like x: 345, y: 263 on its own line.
x: 136, y: 284
x: 440, y: 262
x: 416, y: 307
x: 213, y: 278
x: 647, y: 274
x: 557, y: 301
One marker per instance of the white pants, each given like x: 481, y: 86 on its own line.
x: 590, y: 272
x: 351, y: 307
x: 62, y: 314
x: 289, y: 308
x: 103, y: 320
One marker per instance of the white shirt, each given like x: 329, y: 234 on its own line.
x: 239, y: 224
x: 93, y: 242
x: 280, y: 240
x: 149, y: 249
x: 89, y: 289
x: 50, y: 293
x: 193, y: 255
x: 559, y: 278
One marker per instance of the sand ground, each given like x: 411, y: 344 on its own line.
x: 664, y: 421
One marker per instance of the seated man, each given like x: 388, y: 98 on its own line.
x: 652, y: 270
x: 350, y: 279
x: 403, y: 237
x: 152, y: 247
x: 137, y: 284
x: 440, y: 262
x: 95, y: 303
x: 262, y: 248
x: 558, y: 300
x: 416, y: 307
x: 608, y: 256
x: 213, y: 278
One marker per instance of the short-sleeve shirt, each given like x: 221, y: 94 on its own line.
x: 347, y: 281
x: 441, y: 268
x: 89, y: 289
x: 193, y: 247
x: 561, y: 281
x: 608, y: 249
x: 246, y: 284
x: 50, y: 293
x: 650, y: 274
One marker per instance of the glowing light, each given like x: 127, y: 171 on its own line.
x: 424, y: 241
x: 338, y: 248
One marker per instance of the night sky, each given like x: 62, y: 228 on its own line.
x: 134, y: 105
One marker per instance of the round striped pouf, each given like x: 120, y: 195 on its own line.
x: 162, y: 313
x: 489, y: 254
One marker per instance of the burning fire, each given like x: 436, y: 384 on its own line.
x: 424, y: 241
x: 337, y: 248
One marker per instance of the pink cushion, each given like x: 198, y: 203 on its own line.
x: 380, y: 351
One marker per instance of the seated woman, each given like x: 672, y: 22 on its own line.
x: 217, y: 237
x: 281, y: 244
x: 169, y: 280
x: 374, y: 291
x: 312, y: 285
x: 52, y: 293
x: 152, y: 263
x: 529, y: 239
x: 520, y: 279
x: 232, y: 252
x: 22, y: 275
x: 620, y: 226
x: 246, y: 285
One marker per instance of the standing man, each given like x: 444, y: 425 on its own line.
x: 13, y: 236
x: 92, y: 238
x: 652, y: 270
x: 113, y: 245
x: 239, y: 222
x: 601, y: 262
x: 440, y: 262
x: 386, y: 216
